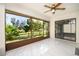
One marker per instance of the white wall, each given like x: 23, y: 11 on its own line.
x: 72, y: 11
x: 2, y: 30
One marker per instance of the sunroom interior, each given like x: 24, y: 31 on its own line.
x: 25, y: 29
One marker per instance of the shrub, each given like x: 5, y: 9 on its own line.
x: 11, y: 32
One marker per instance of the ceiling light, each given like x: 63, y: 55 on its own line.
x: 53, y: 11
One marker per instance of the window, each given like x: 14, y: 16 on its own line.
x: 41, y: 29
x: 37, y: 28
x: 17, y: 27
x: 46, y: 29
x: 21, y: 27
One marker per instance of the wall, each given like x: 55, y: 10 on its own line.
x: 2, y: 30
x: 71, y: 11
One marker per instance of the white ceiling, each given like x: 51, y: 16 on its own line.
x: 39, y: 7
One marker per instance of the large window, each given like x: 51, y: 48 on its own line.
x: 17, y: 27
x: 20, y: 27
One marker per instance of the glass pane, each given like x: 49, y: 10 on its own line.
x: 17, y: 28
x: 66, y: 28
x: 40, y: 28
x: 37, y: 28
x: 73, y: 26
x: 46, y: 29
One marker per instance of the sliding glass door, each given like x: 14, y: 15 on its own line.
x: 66, y: 29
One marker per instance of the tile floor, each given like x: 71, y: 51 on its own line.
x: 47, y: 47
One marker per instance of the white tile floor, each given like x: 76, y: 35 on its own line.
x: 47, y: 47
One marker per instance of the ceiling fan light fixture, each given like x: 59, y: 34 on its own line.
x: 53, y: 11
x: 54, y: 7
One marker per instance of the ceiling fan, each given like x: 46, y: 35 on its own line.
x: 54, y: 7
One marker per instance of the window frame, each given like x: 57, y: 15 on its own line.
x: 13, y: 45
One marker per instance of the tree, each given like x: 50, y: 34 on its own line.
x: 26, y: 25
x: 11, y: 32
x: 23, y: 25
x: 37, y: 26
x: 13, y: 21
x: 17, y: 23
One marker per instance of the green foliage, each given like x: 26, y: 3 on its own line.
x: 37, y: 26
x: 11, y: 32
x: 26, y: 28
x: 15, y: 30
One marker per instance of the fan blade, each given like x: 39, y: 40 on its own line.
x: 57, y: 5
x: 47, y: 11
x: 47, y: 6
x: 60, y: 8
